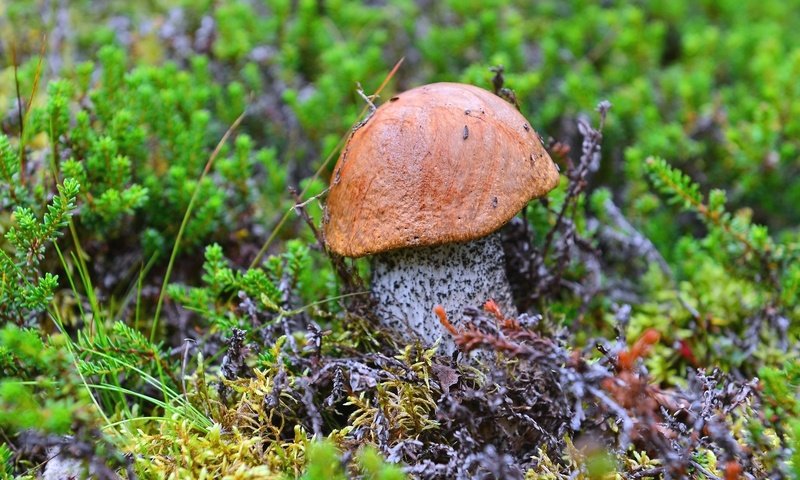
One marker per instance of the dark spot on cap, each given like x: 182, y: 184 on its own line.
x: 466, y: 132
x: 494, y: 202
x: 394, y: 99
x: 526, y: 127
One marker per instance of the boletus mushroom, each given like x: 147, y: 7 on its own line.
x: 423, y: 186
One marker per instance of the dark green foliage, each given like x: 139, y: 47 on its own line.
x: 285, y: 285
x: 24, y: 290
x: 733, y: 279
x: 136, y: 142
x: 128, y: 347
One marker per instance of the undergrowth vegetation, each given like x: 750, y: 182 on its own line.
x: 168, y: 309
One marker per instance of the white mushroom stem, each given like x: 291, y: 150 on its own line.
x: 408, y: 283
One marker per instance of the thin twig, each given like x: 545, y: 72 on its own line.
x: 577, y: 176
x: 319, y: 171
x: 367, y: 98
x: 577, y: 183
x: 704, y: 470
x: 20, y: 119
x: 300, y: 204
x: 349, y: 277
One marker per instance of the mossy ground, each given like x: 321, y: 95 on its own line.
x: 168, y: 310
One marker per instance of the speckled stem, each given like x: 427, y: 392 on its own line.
x: 409, y: 282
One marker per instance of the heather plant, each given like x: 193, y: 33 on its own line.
x: 24, y: 289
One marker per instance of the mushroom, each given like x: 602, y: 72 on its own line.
x: 423, y: 186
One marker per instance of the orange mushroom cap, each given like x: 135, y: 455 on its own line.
x: 440, y: 163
